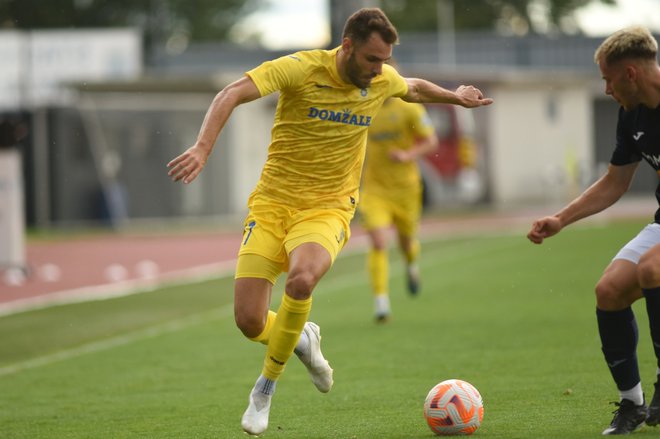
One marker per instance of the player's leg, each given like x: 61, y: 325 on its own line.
x: 252, y: 315
x: 648, y: 272
x: 260, y: 262
x: 314, y: 240
x: 376, y: 219
x: 615, y: 292
x: 410, y: 249
x: 307, y: 264
x: 378, y: 267
x: 407, y: 213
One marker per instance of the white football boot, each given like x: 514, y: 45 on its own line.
x: 255, y: 418
x: 319, y: 370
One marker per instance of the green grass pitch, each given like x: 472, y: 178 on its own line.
x: 514, y: 319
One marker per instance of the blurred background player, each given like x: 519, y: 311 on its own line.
x: 300, y: 211
x: 391, y: 192
x: 629, y: 66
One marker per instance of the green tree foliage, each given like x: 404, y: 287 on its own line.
x: 212, y: 19
x: 513, y: 16
x: 198, y: 19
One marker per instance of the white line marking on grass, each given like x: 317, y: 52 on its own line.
x: 172, y: 326
x: 432, y: 257
x: 121, y: 340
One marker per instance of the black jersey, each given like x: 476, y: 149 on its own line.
x: 637, y: 137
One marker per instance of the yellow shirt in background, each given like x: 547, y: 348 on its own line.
x: 396, y: 126
x: 318, y: 139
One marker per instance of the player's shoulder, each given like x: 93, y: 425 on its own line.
x: 628, y: 119
x: 390, y: 73
x: 311, y: 59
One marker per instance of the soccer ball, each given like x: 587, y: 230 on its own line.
x: 453, y: 407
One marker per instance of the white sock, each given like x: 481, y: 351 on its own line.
x: 303, y: 344
x: 264, y: 385
x: 635, y: 394
x: 382, y: 304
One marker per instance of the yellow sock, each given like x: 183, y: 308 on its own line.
x: 265, y: 334
x: 378, y: 270
x: 413, y: 253
x: 284, y: 334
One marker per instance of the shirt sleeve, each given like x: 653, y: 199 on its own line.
x: 398, y: 85
x: 277, y: 74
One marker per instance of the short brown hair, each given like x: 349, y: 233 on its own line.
x: 364, y: 22
x: 631, y: 42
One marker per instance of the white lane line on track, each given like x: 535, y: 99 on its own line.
x: 120, y: 289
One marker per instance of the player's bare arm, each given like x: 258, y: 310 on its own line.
x: 423, y: 91
x: 599, y: 196
x: 422, y: 146
x: 189, y: 164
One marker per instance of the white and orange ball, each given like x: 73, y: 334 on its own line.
x: 453, y: 407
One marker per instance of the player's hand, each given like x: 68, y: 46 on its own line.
x: 400, y: 155
x: 188, y: 165
x: 544, y: 228
x: 472, y: 97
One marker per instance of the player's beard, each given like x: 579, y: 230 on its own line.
x: 354, y: 73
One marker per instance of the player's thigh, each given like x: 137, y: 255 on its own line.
x: 644, y: 251
x: 406, y: 214
x: 618, y: 287
x: 263, y: 235
x: 375, y: 211
x: 328, y: 228
x: 648, y: 270
x: 252, y: 297
x: 308, y: 262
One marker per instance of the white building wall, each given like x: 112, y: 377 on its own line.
x: 541, y: 141
x: 36, y: 64
x: 248, y: 137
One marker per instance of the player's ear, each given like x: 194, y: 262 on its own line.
x: 347, y: 45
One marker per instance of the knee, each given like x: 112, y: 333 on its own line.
x: 608, y: 297
x: 250, y: 325
x: 300, y: 285
x: 648, y: 271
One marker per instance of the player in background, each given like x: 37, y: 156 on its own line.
x: 299, y: 213
x: 629, y: 66
x: 391, y: 192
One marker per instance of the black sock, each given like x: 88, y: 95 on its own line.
x: 653, y: 310
x: 619, y: 335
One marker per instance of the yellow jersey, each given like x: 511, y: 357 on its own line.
x: 397, y: 126
x: 319, y: 134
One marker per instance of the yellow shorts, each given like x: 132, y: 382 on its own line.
x: 272, y: 231
x: 378, y: 211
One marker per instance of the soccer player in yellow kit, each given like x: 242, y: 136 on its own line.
x: 391, y: 191
x: 300, y: 210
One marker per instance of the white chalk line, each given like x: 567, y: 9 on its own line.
x: 338, y: 283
